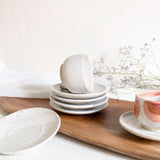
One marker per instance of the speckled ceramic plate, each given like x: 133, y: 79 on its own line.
x: 80, y: 106
x: 129, y: 122
x: 98, y: 90
x: 78, y: 101
x: 27, y: 129
x: 80, y: 111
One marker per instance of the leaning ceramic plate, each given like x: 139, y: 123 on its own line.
x: 129, y: 122
x: 78, y: 112
x: 26, y: 129
x: 78, y: 101
x: 81, y: 106
x: 98, y: 90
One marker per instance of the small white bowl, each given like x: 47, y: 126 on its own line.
x: 76, y: 74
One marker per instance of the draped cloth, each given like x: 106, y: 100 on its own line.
x: 24, y: 84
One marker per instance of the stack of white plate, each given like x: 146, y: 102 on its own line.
x: 64, y: 101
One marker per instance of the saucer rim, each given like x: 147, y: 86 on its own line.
x: 149, y: 135
x: 78, y: 112
x: 78, y: 96
x: 78, y: 101
x: 77, y: 106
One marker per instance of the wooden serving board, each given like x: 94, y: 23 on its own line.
x: 101, y: 129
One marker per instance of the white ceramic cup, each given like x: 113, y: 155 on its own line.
x: 76, y: 74
x: 147, y: 109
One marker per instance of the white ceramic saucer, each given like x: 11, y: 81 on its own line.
x: 78, y: 112
x: 98, y: 90
x: 81, y: 106
x: 129, y: 122
x: 26, y: 129
x: 78, y: 101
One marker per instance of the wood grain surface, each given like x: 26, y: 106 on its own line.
x: 101, y: 129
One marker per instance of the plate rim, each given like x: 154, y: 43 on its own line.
x: 78, y: 101
x: 76, y: 106
x: 76, y: 112
x: 78, y: 96
x: 124, y: 126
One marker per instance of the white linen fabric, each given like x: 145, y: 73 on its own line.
x: 32, y: 85
x: 24, y: 84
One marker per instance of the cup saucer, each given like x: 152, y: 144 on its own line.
x: 80, y: 111
x: 78, y: 101
x: 27, y: 129
x: 80, y: 106
x: 129, y: 122
x: 98, y: 91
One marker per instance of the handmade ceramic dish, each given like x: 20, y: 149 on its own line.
x: 147, y: 109
x: 80, y: 111
x: 80, y: 106
x: 27, y: 129
x: 98, y: 90
x: 130, y: 123
x: 77, y: 101
x: 76, y: 74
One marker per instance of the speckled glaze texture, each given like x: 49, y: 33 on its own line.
x: 26, y: 129
x: 147, y: 109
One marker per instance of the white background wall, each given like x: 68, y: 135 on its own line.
x: 37, y: 35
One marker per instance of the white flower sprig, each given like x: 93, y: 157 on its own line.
x: 133, y: 71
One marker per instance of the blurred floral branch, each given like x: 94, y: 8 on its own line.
x: 133, y: 70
